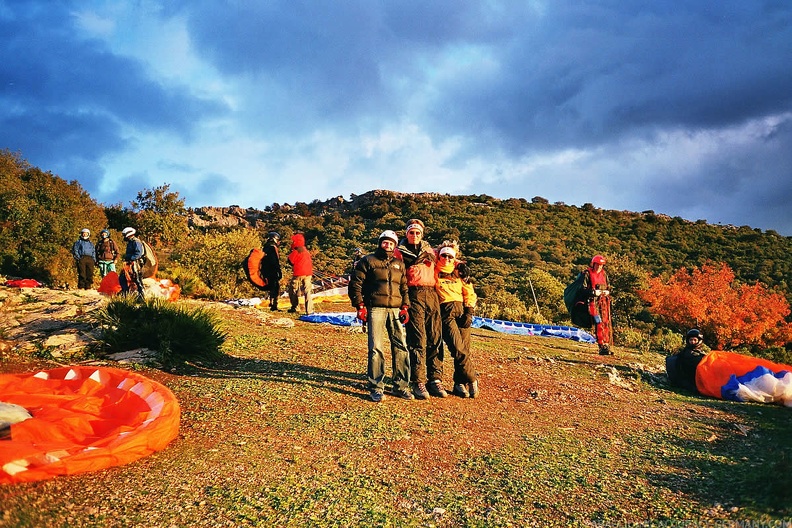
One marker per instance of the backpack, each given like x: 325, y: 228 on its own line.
x: 575, y: 304
x: 148, y: 262
x: 252, y: 268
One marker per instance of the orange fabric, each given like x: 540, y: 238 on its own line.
x: 718, y: 366
x: 252, y: 268
x: 109, y: 284
x: 84, y: 419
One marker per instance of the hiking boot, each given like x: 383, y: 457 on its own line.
x: 404, y: 394
x: 420, y: 392
x: 461, y: 391
x: 473, y: 389
x: 377, y: 396
x: 436, y: 389
x: 605, y: 351
x: 292, y: 310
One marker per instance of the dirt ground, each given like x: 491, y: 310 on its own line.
x: 282, y: 432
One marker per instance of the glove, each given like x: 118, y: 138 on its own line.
x: 362, y: 313
x: 467, y: 316
x: 597, y: 319
x: 463, y: 270
x: 404, y: 317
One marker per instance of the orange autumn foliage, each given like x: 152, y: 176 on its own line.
x: 730, y: 314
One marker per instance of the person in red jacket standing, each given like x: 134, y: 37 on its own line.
x: 302, y: 268
x: 597, y: 291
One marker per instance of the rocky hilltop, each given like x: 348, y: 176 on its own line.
x: 236, y: 216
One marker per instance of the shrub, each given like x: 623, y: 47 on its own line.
x: 176, y: 332
x: 668, y: 341
x: 631, y: 338
x: 216, y: 258
x: 503, y: 305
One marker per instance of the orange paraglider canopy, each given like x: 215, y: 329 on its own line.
x: 83, y: 419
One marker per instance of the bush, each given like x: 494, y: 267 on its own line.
x: 190, y: 284
x: 216, y: 258
x: 777, y: 354
x: 503, y: 305
x: 631, y: 338
x: 176, y: 332
x: 667, y: 341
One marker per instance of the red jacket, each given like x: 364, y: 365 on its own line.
x: 300, y: 257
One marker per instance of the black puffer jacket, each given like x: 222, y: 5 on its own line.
x: 379, y: 281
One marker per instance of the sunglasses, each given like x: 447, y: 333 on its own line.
x: 449, y: 257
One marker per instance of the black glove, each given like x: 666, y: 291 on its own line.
x: 463, y: 270
x: 467, y: 317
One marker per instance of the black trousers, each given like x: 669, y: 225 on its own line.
x: 457, y: 339
x: 85, y: 272
x: 425, y: 335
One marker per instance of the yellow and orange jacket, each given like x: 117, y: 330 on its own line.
x: 450, y: 288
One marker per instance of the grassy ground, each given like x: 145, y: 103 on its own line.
x: 282, y: 433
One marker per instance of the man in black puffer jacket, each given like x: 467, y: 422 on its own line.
x: 378, y: 290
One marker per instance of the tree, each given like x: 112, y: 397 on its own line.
x: 160, y: 215
x: 729, y: 314
x: 216, y: 258
x: 40, y: 218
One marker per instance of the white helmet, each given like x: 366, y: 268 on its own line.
x: 86, y: 232
x: 389, y: 235
x: 128, y: 231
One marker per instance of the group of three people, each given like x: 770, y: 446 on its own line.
x: 407, y: 282
x: 104, y: 255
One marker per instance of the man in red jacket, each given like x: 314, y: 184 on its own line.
x: 302, y: 268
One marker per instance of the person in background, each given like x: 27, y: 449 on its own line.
x: 681, y: 367
x: 424, y: 329
x: 378, y: 290
x: 597, y: 292
x: 271, y: 268
x: 106, y: 253
x: 130, y: 276
x: 457, y: 306
x: 302, y: 274
x: 84, y: 255
x: 356, y: 256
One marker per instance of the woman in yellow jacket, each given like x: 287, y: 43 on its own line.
x: 457, y: 305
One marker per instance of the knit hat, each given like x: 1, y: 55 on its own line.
x: 414, y: 223
x: 390, y: 235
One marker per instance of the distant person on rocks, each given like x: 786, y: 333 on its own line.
x: 378, y: 290
x: 130, y: 277
x: 457, y: 306
x: 106, y: 253
x: 84, y: 255
x: 597, y: 292
x: 356, y: 256
x: 271, y: 268
x: 424, y: 329
x: 681, y: 367
x: 302, y: 274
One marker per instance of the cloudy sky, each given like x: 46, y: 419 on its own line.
x: 684, y: 108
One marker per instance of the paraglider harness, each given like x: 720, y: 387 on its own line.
x: 575, y: 302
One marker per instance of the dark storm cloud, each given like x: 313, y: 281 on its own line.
x: 748, y: 184
x: 66, y: 100
x: 626, y: 105
x: 585, y: 73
